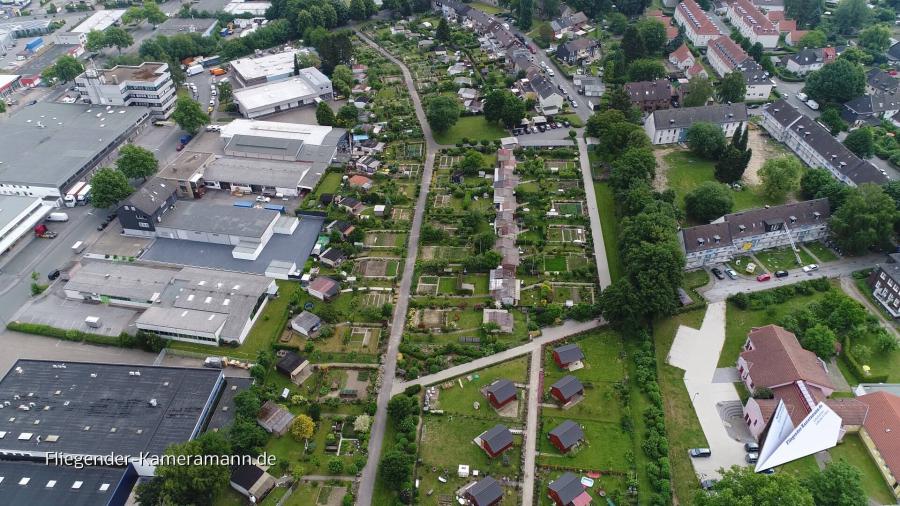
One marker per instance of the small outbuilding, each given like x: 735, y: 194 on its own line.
x: 274, y: 418
x: 501, y: 392
x: 252, y: 482
x: 567, y: 355
x: 486, y: 492
x: 566, y: 435
x: 496, y: 440
x: 307, y: 324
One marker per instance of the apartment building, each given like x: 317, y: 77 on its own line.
x: 752, y: 23
x: 670, y: 126
x: 698, y: 28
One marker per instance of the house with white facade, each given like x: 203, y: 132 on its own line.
x: 698, y: 28
x: 726, y: 56
x: 669, y: 126
x: 752, y: 23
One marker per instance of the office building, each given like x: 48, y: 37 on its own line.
x: 148, y: 84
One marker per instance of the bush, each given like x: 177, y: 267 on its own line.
x: 123, y: 340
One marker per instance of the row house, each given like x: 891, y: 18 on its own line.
x: 698, y: 28
x: 682, y: 58
x: 549, y: 99
x: 871, y: 109
x: 752, y: 23
x: 759, y: 229
x: 726, y: 56
x: 813, y: 144
x: 885, y: 284
x: 650, y: 96
x: 503, y: 285
x: 569, y: 24
x: 878, y: 80
x: 670, y: 126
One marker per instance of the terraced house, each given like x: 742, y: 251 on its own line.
x: 752, y: 23
x: 698, y: 28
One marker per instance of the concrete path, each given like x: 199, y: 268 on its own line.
x: 594, y: 214
x: 529, y: 447
x: 568, y: 328
x: 367, y: 484
x: 697, y: 352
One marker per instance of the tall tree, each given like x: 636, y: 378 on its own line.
x: 334, y: 49
x: 198, y: 482
x: 136, y: 162
x: 653, y: 33
x: 699, y: 91
x: 443, y: 30
x: 324, y: 114
x: 814, y: 39
x: 839, y: 81
x: 118, y: 38
x: 646, y: 69
x: 875, y: 38
x: 188, y: 114
x: 108, y: 187
x: 865, y: 220
x: 706, y: 140
x: 633, y: 44
x: 839, y: 484
x: 65, y: 69
x: 357, y: 10
x: 831, y: 118
x: 781, y: 176
x: 526, y: 14
x: 442, y: 112
x: 742, y: 486
x: 861, y: 142
x: 851, y: 15
x: 708, y: 201
x: 347, y: 116
x: 806, y: 12
x: 732, y: 88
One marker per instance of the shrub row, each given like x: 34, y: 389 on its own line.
x: 761, y: 300
x: 856, y: 368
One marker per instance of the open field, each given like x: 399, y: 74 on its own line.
x: 852, y: 450
x: 472, y: 128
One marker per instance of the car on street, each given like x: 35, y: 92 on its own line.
x: 575, y: 104
x: 764, y: 277
x: 751, y: 458
x: 810, y: 268
x: 751, y: 447
x: 781, y: 274
x: 103, y: 225
x: 700, y: 452
x: 718, y: 273
x: 53, y: 275
x: 731, y: 273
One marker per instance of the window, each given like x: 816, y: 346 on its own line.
x: 143, y: 224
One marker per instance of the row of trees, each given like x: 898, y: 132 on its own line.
x: 396, y: 466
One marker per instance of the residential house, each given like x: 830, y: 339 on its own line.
x: 578, y: 51
x: 144, y: 209
x: 759, y: 82
x: 878, y: 80
x: 808, y: 60
x: 467, y: 94
x: 291, y: 364
x: 567, y: 490
x: 549, y: 100
x: 567, y: 389
x: 361, y: 182
x: 502, y: 318
x: 793, y: 37
x: 650, y: 96
x: 343, y: 228
x: 753, y: 230
x: 501, y: 392
x: 698, y: 28
x: 566, y: 435
x: 568, y: 24
x: 589, y: 86
x: 324, y: 288
x: 567, y: 355
x: 367, y: 164
x: 752, y: 23
x: 871, y: 109
x: 504, y: 287
x: 350, y: 204
x: 306, y: 323
x: 251, y: 482
x: 274, y: 418
x: 485, y: 492
x: 697, y: 69
x: 495, y: 440
x: 682, y: 58
x: 885, y: 283
x: 726, y: 56
x: 332, y: 257
x: 813, y: 144
x: 670, y: 126
x: 879, y: 434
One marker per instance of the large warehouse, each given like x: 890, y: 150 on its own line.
x: 306, y: 88
x: 48, y: 147
x: 284, y: 141
x: 18, y: 216
x: 252, y: 71
x: 267, y: 177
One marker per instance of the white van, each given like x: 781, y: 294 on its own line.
x: 78, y: 248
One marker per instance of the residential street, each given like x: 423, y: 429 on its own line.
x: 398, y: 322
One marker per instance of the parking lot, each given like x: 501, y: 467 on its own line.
x: 55, y: 310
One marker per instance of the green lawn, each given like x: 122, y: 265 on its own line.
x: 604, y: 446
x: 783, y: 259
x: 682, y: 427
x: 573, y: 119
x: 739, y: 322
x: 329, y: 183
x: 801, y: 468
x: 606, y: 207
x: 487, y: 9
x: 822, y: 252
x: 471, y: 127
x: 461, y: 400
x: 687, y: 171
x: 853, y: 450
x: 304, y: 494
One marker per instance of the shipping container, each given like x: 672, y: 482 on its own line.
x: 243, y: 203
x: 275, y: 207
x: 34, y: 44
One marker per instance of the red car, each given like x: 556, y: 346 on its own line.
x: 532, y: 49
x: 764, y: 277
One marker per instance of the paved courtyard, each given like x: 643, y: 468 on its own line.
x: 697, y: 352
x: 55, y: 310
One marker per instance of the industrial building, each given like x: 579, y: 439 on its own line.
x: 99, y: 21
x: 272, y: 140
x: 176, y: 26
x: 37, y: 483
x: 9, y: 84
x: 48, y: 147
x: 307, y: 87
x: 189, y: 304
x: 252, y: 71
x: 273, y: 178
x: 148, y: 84
x: 18, y: 216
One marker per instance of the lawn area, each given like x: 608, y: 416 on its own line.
x: 266, y: 329
x: 315, y: 461
x: 852, y: 450
x: 487, y: 9
x: 304, y: 494
x: 777, y: 259
x: 460, y: 400
x: 329, y: 184
x: 573, y: 119
x: 446, y: 444
x: 471, y: 127
x: 739, y: 322
x: 822, y: 252
x: 682, y: 427
x: 686, y: 171
x: 801, y: 468
x: 603, y: 449
x: 606, y: 207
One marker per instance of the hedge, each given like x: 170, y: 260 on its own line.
x: 123, y: 340
x: 856, y: 368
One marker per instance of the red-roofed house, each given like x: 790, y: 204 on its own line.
x: 698, y: 28
x: 752, y: 23
x: 793, y: 37
x: 881, y: 435
x: 671, y: 31
x: 697, y: 70
x: 361, y: 182
x: 682, y: 58
x: 725, y: 55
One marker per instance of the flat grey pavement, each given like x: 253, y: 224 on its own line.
x: 594, y: 214
x: 719, y: 290
x: 548, y: 335
x: 52, y: 308
x: 398, y: 322
x: 529, y: 446
x: 697, y: 352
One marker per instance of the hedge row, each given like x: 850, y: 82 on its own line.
x: 123, y: 340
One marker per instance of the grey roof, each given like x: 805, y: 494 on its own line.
x: 569, y: 353
x: 502, y: 389
x: 543, y: 86
x: 753, y: 73
x: 782, y: 112
x: 224, y: 414
x: 120, y: 280
x: 219, y: 219
x: 821, y: 141
x: 568, y: 21
x: 254, y: 171
x: 649, y: 91
x: 333, y: 254
x: 176, y: 26
x: 283, y: 148
x: 497, y: 437
x: 71, y: 138
x: 96, y: 409
x: 568, y: 432
x: 806, y: 56
x: 290, y: 361
x: 97, y: 484
x: 881, y: 80
x: 893, y: 52
x: 11, y: 206
x: 306, y: 320
x: 274, y: 417
x: 151, y: 196
x: 568, y: 386
x: 736, y: 226
x: 567, y: 487
x: 768, y: 3
x: 687, y: 116
x: 485, y: 492
x: 246, y: 475
x: 188, y: 320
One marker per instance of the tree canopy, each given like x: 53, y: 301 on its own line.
x: 732, y: 88
x: 864, y: 220
x: 781, y: 176
x: 839, y: 81
x: 109, y: 186
x: 442, y: 112
x: 65, y: 69
x: 741, y: 486
x: 324, y: 114
x: 700, y: 90
x: 706, y: 140
x: 861, y: 142
x: 708, y: 201
x: 839, y: 484
x: 188, y: 114
x: 136, y: 162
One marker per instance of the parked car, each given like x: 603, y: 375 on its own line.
x: 700, y: 452
x: 53, y: 275
x: 731, y: 274
x: 708, y: 484
x: 764, y: 277
x: 781, y: 274
x: 103, y: 225
x: 810, y: 268
x: 751, y: 447
x: 751, y: 458
x: 718, y: 273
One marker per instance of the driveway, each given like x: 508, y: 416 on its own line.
x: 697, y: 352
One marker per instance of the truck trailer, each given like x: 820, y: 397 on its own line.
x: 71, y: 197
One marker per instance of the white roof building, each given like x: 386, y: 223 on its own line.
x: 255, y: 8
x: 308, y: 87
x: 258, y: 70
x: 100, y: 20
x: 18, y: 216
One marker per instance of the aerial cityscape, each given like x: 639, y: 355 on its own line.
x: 447, y: 252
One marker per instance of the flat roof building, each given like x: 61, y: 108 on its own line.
x: 18, y: 216
x: 38, y: 484
x: 175, y: 26
x: 251, y: 71
x: 262, y: 176
x: 99, y: 21
x: 47, y: 147
x: 273, y: 140
x: 308, y: 87
x: 148, y: 84
x: 80, y: 408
